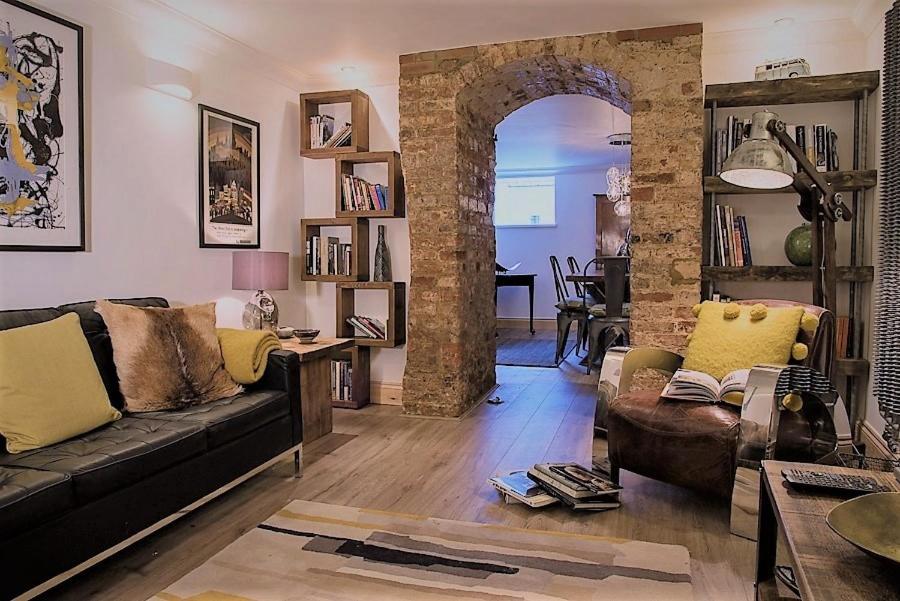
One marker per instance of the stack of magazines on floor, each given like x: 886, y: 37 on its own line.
x: 549, y: 483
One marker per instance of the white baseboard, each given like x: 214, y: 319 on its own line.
x: 386, y: 393
x: 875, y: 445
x: 519, y: 323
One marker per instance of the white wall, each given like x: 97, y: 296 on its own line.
x: 574, y: 235
x: 318, y: 201
x: 142, y: 173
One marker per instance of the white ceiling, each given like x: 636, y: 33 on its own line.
x: 316, y: 38
x: 561, y: 133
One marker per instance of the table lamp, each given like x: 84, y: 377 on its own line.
x: 260, y: 270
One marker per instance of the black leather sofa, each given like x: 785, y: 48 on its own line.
x: 69, y: 503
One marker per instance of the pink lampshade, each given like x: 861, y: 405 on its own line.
x: 259, y: 270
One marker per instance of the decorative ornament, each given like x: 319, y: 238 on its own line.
x: 798, y: 246
x: 758, y: 312
x: 382, y: 259
x: 731, y: 311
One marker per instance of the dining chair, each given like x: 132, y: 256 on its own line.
x: 609, y: 321
x: 593, y: 290
x: 570, y: 308
x: 574, y: 269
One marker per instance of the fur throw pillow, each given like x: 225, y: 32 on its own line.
x: 166, y: 358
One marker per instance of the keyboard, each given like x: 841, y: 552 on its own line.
x: 841, y: 483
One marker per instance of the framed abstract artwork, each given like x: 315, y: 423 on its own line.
x: 42, y: 194
x: 229, y: 180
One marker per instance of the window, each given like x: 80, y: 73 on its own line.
x: 525, y: 201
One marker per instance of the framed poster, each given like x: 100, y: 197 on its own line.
x: 229, y: 180
x: 41, y: 131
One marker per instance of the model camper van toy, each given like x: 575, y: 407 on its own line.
x: 783, y: 69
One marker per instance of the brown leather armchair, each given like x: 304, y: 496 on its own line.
x: 693, y: 445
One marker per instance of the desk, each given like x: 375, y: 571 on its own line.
x: 826, y: 566
x: 518, y: 279
x: 315, y: 382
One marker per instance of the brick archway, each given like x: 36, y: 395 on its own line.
x: 450, y: 102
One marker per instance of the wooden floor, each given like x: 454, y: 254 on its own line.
x: 379, y: 459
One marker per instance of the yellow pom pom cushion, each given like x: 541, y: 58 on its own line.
x: 723, y: 342
x: 50, y: 387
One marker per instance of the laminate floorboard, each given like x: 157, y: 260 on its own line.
x: 379, y: 459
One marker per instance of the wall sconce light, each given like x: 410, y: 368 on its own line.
x: 169, y: 79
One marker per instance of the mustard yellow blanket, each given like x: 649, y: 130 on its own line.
x: 246, y: 352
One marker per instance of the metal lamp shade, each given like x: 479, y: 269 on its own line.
x: 760, y: 162
x: 259, y: 270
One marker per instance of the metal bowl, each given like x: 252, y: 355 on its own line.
x: 870, y: 523
x: 306, y: 336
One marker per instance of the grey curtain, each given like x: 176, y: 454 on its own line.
x: 887, y: 304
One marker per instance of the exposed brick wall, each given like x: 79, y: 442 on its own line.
x: 450, y: 102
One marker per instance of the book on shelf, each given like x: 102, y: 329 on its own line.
x: 696, y: 386
x: 328, y: 256
x: 819, y: 142
x: 843, y: 337
x: 341, y: 380
x: 369, y: 326
x: 359, y: 195
x: 321, y: 128
x: 517, y: 487
x: 732, y: 239
x: 340, y: 138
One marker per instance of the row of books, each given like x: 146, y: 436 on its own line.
x: 732, y: 239
x: 328, y: 256
x: 568, y: 483
x: 322, y: 133
x: 369, y: 327
x: 359, y: 195
x: 819, y: 142
x: 843, y: 326
x: 341, y: 380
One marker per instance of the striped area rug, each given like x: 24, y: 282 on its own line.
x: 316, y: 551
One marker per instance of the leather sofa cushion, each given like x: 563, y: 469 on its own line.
x: 17, y: 318
x: 30, y: 497
x: 98, y: 338
x: 688, y: 444
x: 229, y: 418
x: 117, y: 455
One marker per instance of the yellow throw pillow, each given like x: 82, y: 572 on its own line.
x: 729, y: 336
x: 50, y: 388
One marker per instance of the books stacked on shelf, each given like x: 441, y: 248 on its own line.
x: 843, y: 337
x: 328, y: 256
x: 732, y: 239
x: 368, y: 326
x: 517, y: 487
x: 576, y: 486
x: 323, y: 135
x: 321, y: 128
x: 341, y: 379
x: 819, y: 142
x: 359, y: 195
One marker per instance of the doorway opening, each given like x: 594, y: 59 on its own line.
x: 559, y: 161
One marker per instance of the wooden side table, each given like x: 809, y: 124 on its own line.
x: 825, y: 565
x: 315, y: 382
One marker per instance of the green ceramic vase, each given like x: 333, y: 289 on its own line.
x: 798, y: 246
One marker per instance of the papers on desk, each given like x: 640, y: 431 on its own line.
x: 502, y: 269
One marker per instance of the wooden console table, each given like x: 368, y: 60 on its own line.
x: 826, y: 566
x: 315, y: 382
x: 525, y: 280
